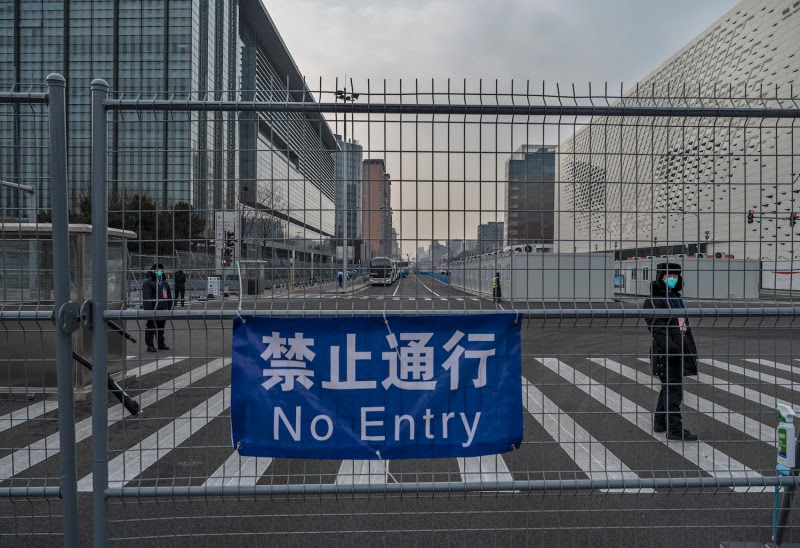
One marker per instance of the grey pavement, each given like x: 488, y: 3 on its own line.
x: 588, y: 396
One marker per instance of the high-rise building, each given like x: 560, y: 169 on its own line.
x: 676, y: 185
x: 530, y: 195
x: 455, y: 247
x: 349, y: 193
x: 377, y: 212
x: 490, y: 236
x: 279, y: 165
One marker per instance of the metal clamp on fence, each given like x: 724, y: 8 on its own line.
x: 68, y: 318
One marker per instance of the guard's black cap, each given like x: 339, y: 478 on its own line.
x: 669, y: 268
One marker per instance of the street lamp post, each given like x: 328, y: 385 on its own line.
x: 343, y: 95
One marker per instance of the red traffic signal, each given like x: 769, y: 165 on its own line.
x: 793, y: 218
x: 750, y: 215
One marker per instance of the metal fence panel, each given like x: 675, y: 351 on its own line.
x: 37, y: 357
x: 246, y: 198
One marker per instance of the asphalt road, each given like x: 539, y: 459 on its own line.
x: 587, y: 395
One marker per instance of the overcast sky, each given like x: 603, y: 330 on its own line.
x: 558, y: 41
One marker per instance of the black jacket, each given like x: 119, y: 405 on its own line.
x: 152, y: 294
x: 180, y: 278
x: 670, y: 344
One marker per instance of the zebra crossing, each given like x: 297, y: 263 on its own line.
x: 394, y: 298
x: 564, y: 397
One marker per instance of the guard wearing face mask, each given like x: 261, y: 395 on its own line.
x: 156, y: 295
x: 673, y: 351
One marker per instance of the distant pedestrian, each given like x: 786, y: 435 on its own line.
x: 497, y: 292
x: 673, y: 351
x: 340, y: 277
x: 180, y: 287
x: 156, y: 295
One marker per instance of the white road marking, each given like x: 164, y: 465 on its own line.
x: 32, y: 411
x: 736, y: 389
x: 706, y: 457
x: 489, y: 468
x: 366, y: 472
x: 435, y: 294
x: 777, y: 365
x: 238, y: 470
x: 150, y: 367
x: 763, y: 377
x: 737, y: 421
x: 33, y: 454
x: 589, y: 454
x: 133, y: 462
x: 396, y: 288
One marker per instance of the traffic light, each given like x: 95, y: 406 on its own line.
x: 227, y: 256
x: 750, y: 216
x: 793, y: 218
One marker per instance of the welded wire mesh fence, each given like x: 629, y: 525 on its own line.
x: 558, y: 208
x: 39, y: 274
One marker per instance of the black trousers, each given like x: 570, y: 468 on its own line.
x: 497, y: 293
x: 180, y: 293
x: 668, y: 409
x: 153, y: 327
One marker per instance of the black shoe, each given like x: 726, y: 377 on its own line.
x: 163, y: 347
x: 151, y: 348
x: 684, y: 436
x: 659, y: 428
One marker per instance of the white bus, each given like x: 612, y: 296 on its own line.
x: 381, y: 271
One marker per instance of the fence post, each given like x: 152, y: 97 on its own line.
x: 99, y: 304
x: 56, y: 93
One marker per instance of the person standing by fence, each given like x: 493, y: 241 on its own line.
x: 673, y: 351
x: 497, y: 292
x: 156, y: 295
x: 180, y: 287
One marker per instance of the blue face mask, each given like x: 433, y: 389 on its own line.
x: 672, y: 283
x: 160, y: 273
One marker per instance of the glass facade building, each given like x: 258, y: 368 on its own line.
x: 172, y: 48
x: 530, y: 195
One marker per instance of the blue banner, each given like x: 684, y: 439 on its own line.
x: 365, y: 388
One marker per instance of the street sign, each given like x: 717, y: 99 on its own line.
x: 411, y: 387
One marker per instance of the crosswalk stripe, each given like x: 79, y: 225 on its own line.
x: 763, y: 377
x: 777, y: 365
x: 588, y: 453
x: 395, y: 298
x: 699, y: 453
x: 133, y: 462
x: 737, y: 421
x: 488, y: 468
x: 238, y: 470
x: 737, y: 390
x: 363, y: 472
x: 149, y: 368
x: 38, y: 409
x: 33, y: 454
x: 32, y: 411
